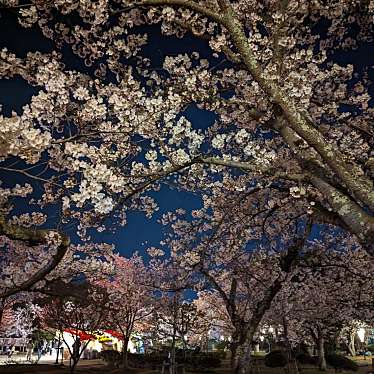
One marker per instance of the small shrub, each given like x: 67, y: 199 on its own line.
x: 339, y: 362
x: 150, y: 360
x: 221, y: 354
x: 193, y: 361
x: 275, y: 359
x: 109, y: 355
x: 370, y: 348
x: 204, y: 361
x: 306, y: 359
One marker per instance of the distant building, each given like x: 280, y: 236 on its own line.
x: 98, y: 341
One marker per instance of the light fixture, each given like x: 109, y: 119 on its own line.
x: 361, y: 334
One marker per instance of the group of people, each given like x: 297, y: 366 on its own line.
x: 40, y: 347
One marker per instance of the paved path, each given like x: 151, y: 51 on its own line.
x: 45, y: 359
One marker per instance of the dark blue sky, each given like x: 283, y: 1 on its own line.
x: 140, y: 232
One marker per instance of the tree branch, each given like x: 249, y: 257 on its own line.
x: 270, y: 172
x: 204, y: 11
x: 32, y: 237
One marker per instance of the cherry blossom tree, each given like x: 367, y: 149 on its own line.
x: 26, y: 267
x: 280, y: 78
x: 348, y: 335
x: 217, y: 246
x: 129, y: 297
x: 290, y: 145
x: 20, y: 270
x: 330, y: 291
x: 214, y: 313
x: 174, y: 319
x: 79, y: 317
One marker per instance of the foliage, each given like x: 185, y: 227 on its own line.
x: 287, y: 152
x: 151, y: 360
x: 110, y: 356
x: 341, y: 362
x: 43, y: 335
x: 306, y: 359
x: 275, y: 359
x: 193, y: 361
x: 204, y: 361
x: 95, y: 155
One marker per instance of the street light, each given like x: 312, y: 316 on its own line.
x: 361, y: 334
x: 262, y: 338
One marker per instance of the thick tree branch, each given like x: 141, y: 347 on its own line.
x: 268, y: 171
x: 350, y: 213
x: 288, y: 261
x: 360, y: 223
x: 204, y: 11
x: 33, y: 237
x: 351, y: 175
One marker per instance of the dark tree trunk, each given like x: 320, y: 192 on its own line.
x: 233, y: 350
x: 125, y: 355
x: 73, y: 365
x: 172, y: 353
x: 244, y: 360
x: 184, y: 347
x: 291, y: 360
x: 58, y: 349
x: 1, y: 311
x: 321, y: 353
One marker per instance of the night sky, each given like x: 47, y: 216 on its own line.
x: 140, y: 232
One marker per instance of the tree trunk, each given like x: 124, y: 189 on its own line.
x: 351, y: 344
x: 291, y: 360
x: 321, y: 354
x: 184, y: 347
x: 351, y: 175
x: 244, y: 360
x: 125, y: 355
x: 58, y: 349
x: 233, y: 358
x: 172, y: 355
x: 73, y: 366
x: 1, y: 310
x: 354, y: 218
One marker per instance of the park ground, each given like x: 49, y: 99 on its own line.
x: 98, y: 367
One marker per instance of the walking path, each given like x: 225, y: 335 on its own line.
x: 45, y: 359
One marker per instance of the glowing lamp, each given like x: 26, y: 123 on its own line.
x: 361, y: 334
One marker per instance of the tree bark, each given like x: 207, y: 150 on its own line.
x: 2, y: 305
x: 321, y: 353
x: 244, y: 361
x: 351, y: 175
x: 233, y: 358
x: 32, y: 237
x: 125, y: 353
x: 292, y: 363
x: 351, y: 344
x: 355, y: 219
